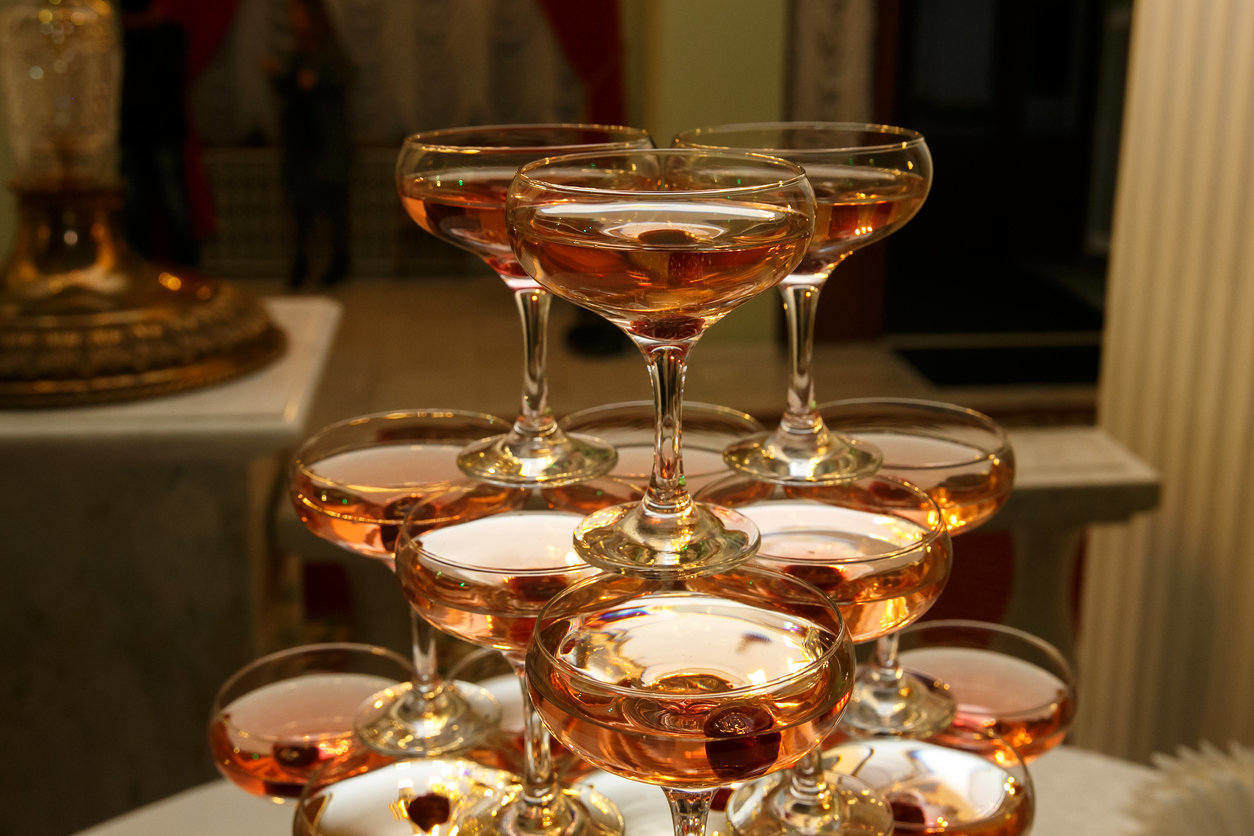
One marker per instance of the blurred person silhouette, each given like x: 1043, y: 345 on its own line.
x: 312, y: 85
x: 153, y: 131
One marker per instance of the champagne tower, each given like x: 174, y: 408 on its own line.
x: 83, y: 320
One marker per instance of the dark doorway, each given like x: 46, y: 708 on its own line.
x: 1003, y: 271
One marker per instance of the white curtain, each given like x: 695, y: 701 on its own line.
x: 832, y: 61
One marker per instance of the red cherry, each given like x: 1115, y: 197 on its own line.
x: 426, y: 811
x: 743, y: 744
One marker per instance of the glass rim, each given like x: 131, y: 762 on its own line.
x: 1052, y: 653
x: 979, y: 418
x: 910, y: 138
x: 300, y: 465
x: 429, y: 140
x: 933, y: 535
x: 407, y: 541
x: 526, y: 174
x: 740, y: 691
x: 301, y: 650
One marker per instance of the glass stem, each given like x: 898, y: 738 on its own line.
x: 801, y: 304
x: 806, y: 783
x: 886, y: 670
x: 540, y: 790
x: 666, y: 494
x: 427, y: 681
x: 535, y: 418
x: 689, y: 810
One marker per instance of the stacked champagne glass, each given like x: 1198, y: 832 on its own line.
x: 696, y: 644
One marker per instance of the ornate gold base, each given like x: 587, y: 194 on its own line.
x: 82, y: 321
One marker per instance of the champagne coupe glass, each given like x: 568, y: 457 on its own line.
x: 354, y: 483
x: 691, y: 684
x: 963, y: 460
x: 663, y: 244
x: 1004, y: 680
x: 934, y: 788
x: 868, y: 181
x: 629, y: 426
x: 281, y: 717
x: 880, y: 551
x: 365, y: 792
x: 485, y: 581
x: 452, y: 182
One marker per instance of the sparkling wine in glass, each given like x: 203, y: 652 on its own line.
x: 691, y: 684
x: 354, y: 483
x: 868, y: 181
x: 365, y: 792
x: 933, y: 788
x: 453, y: 183
x: 1004, y: 680
x: 961, y: 457
x: 964, y: 462
x: 283, y: 716
x: 663, y: 244
x: 486, y: 581
x: 880, y: 551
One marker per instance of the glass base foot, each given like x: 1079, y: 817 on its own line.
x: 916, y: 707
x: 370, y: 794
x: 401, y: 722
x: 700, y: 541
x: 551, y: 459
x: 822, y: 459
x: 768, y: 808
x: 578, y: 811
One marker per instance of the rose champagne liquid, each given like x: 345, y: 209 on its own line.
x: 466, y: 208
x: 653, y: 703
x: 1026, y: 705
x: 933, y: 789
x: 968, y: 483
x: 856, y: 206
x: 662, y: 270
x: 849, y: 555
x: 357, y: 499
x: 494, y: 575
x: 269, y: 741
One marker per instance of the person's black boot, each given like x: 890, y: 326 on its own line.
x: 337, y: 271
x: 300, y: 272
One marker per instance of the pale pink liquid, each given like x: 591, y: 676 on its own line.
x: 271, y: 740
x: 1029, y: 707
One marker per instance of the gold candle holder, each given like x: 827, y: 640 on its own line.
x: 83, y: 320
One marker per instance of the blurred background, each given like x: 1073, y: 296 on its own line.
x: 1077, y: 267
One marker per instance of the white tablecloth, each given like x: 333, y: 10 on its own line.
x: 1078, y: 793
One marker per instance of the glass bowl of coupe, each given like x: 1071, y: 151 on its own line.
x: 664, y: 244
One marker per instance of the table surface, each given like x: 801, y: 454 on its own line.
x: 267, y: 407
x: 1078, y: 793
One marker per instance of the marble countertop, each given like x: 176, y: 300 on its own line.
x: 263, y: 410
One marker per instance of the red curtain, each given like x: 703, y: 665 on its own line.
x: 591, y: 40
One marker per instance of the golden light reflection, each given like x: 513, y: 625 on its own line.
x: 901, y: 532
x: 170, y: 281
